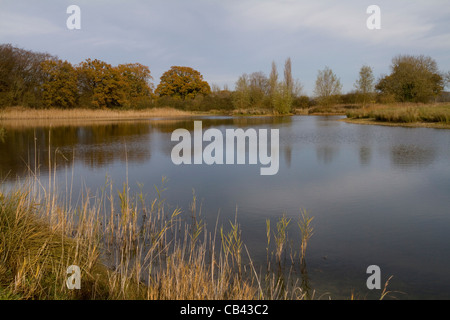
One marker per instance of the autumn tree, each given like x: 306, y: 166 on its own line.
x: 182, y: 83
x: 412, y: 79
x: 365, y: 84
x: 38, y: 79
x: 137, y: 85
x: 20, y: 76
x: 101, y: 85
x: 328, y: 87
x: 60, y: 84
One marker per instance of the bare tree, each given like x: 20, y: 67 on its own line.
x: 241, y: 97
x: 447, y: 79
x: 328, y: 87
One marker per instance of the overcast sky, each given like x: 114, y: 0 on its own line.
x: 224, y: 39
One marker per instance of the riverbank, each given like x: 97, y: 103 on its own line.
x: 20, y: 113
x: 373, y: 121
x: 403, y: 115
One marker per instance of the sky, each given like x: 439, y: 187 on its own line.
x: 227, y: 38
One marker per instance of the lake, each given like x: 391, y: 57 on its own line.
x: 379, y: 195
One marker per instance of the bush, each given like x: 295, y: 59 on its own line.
x: 215, y: 101
x: 302, y: 102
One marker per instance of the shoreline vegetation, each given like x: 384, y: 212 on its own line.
x: 435, y: 115
x: 128, y: 248
x: 403, y: 115
x: 39, y: 80
x: 46, y: 87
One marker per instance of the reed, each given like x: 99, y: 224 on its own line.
x: 306, y: 230
x: 404, y: 114
x: 126, y: 248
x: 21, y: 113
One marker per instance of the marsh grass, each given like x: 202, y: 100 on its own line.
x: 126, y: 247
x: 331, y: 110
x: 21, y: 113
x: 404, y: 113
x: 306, y: 230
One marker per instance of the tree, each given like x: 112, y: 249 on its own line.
x: 60, y: 84
x: 365, y: 84
x: 183, y: 83
x: 412, y: 79
x: 284, y: 92
x: 273, y: 80
x: 328, y: 87
x: 138, y: 88
x: 447, y: 79
x: 20, y: 76
x: 282, y: 98
x: 252, y: 91
x: 101, y: 85
x: 38, y: 79
x: 241, y: 97
x: 288, y: 80
x: 259, y: 88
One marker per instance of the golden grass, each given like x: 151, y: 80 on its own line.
x: 126, y: 249
x: 408, y: 115
x: 20, y: 113
x: 338, y: 109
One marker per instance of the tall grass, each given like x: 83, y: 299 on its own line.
x: 126, y: 247
x: 404, y: 113
x: 14, y: 113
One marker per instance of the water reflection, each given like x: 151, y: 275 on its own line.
x: 94, y: 146
x: 101, y: 144
x: 412, y: 155
x: 326, y: 153
x: 365, y: 155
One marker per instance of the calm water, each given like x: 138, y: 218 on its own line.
x: 379, y: 195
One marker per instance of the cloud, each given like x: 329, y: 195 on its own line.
x: 24, y: 25
x: 401, y: 25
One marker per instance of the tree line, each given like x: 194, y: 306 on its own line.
x: 41, y: 80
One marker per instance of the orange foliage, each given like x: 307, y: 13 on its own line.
x: 182, y: 82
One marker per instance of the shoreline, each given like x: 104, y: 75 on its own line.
x: 372, y: 121
x: 20, y: 116
x: 20, y: 113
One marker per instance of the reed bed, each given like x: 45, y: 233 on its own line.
x: 127, y: 248
x: 404, y: 114
x: 21, y: 113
